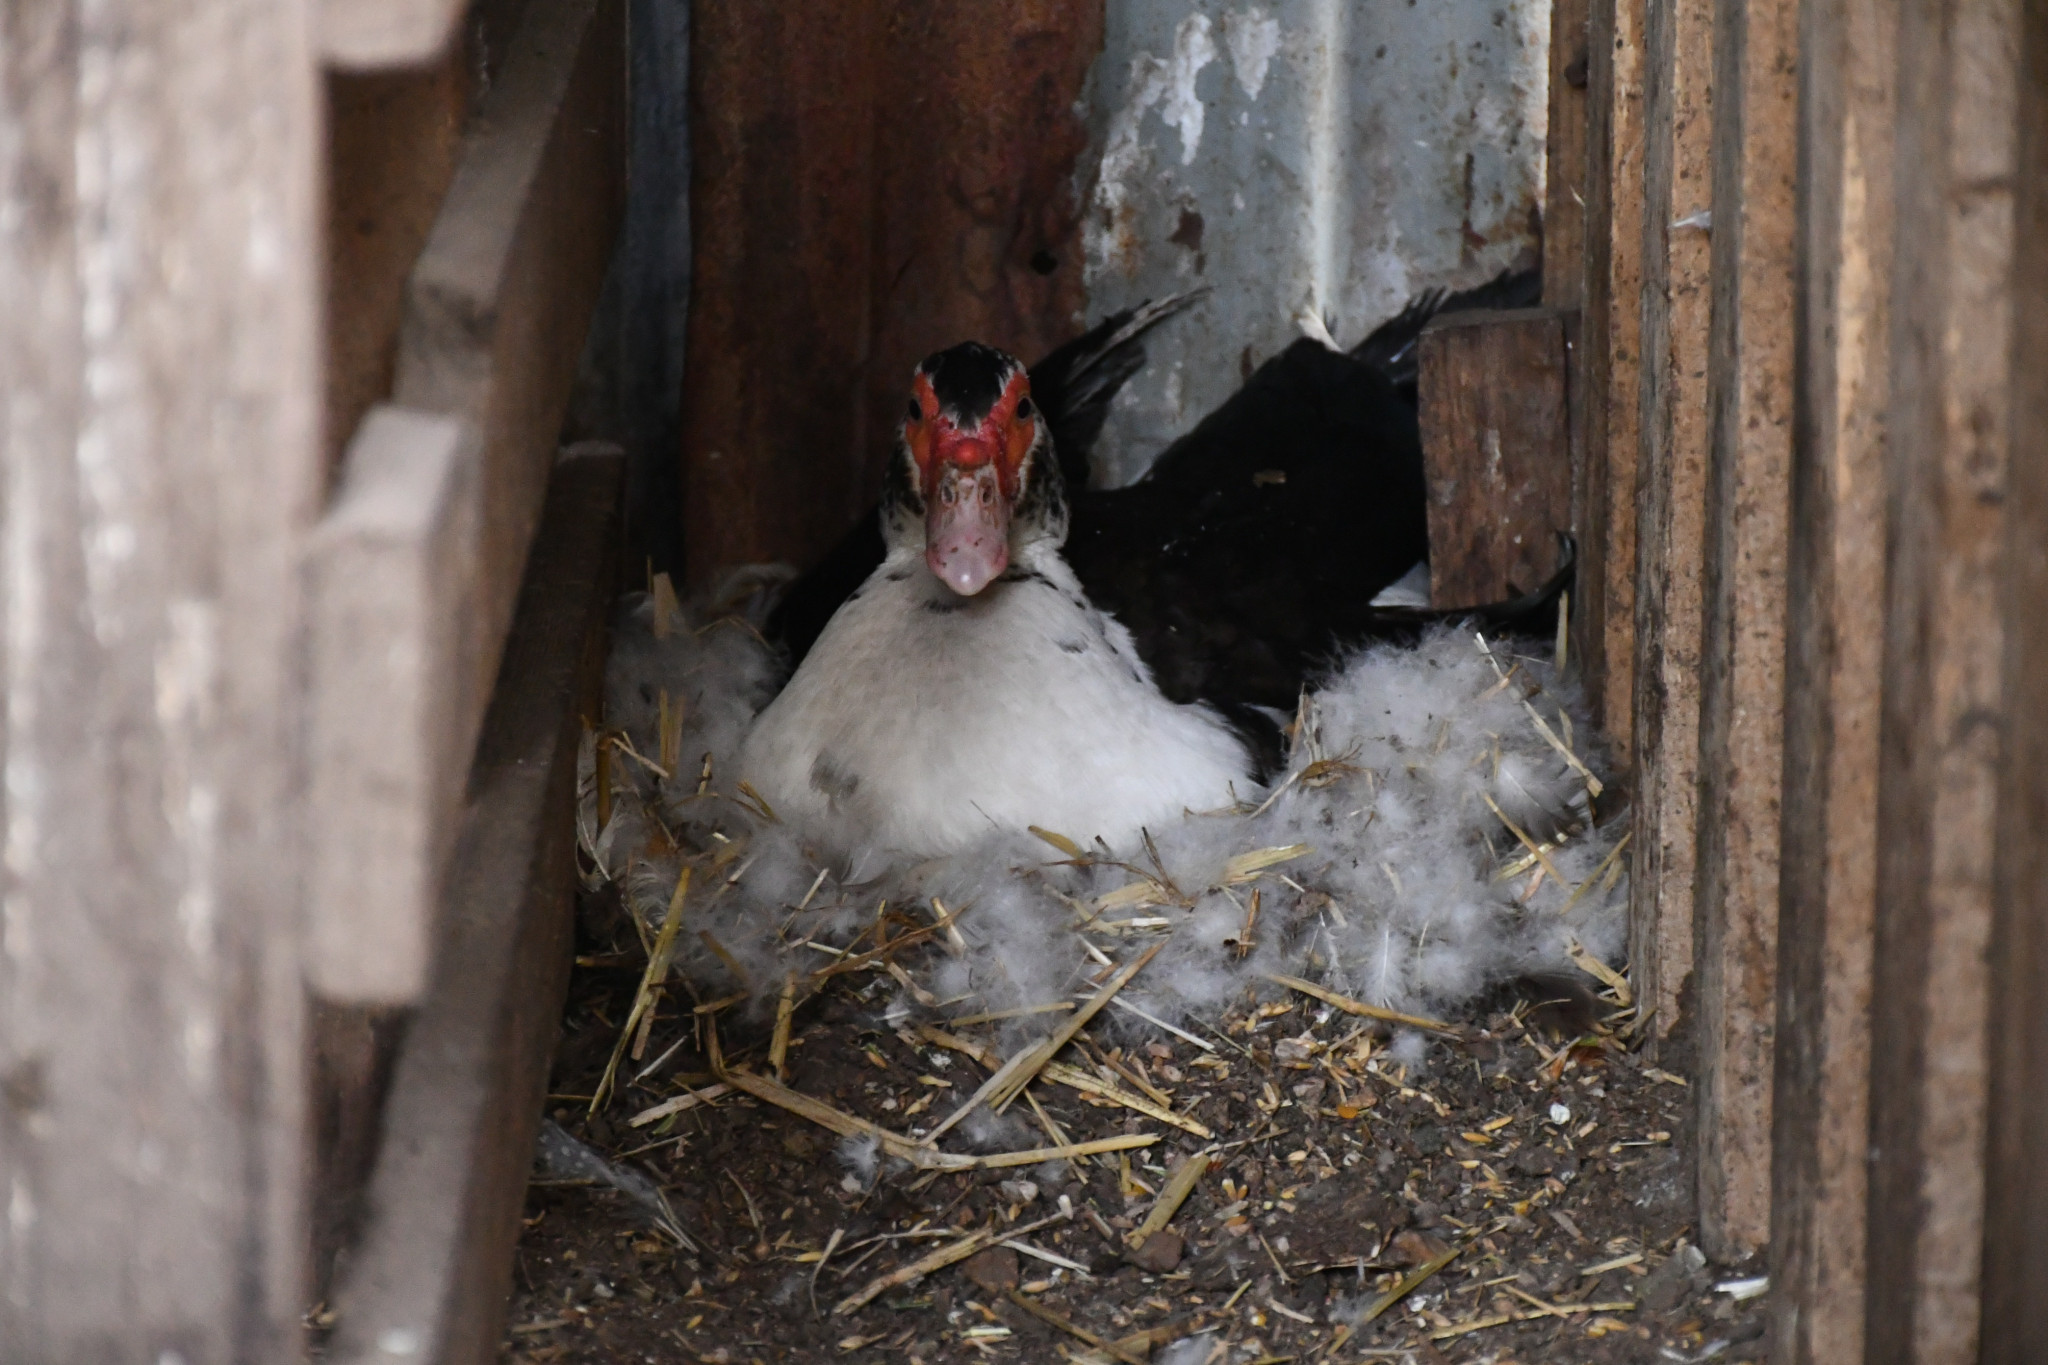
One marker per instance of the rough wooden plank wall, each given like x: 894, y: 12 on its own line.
x: 1742, y: 660
x: 1670, y: 496
x: 2015, y: 1296
x: 500, y: 301
x: 431, y: 1277
x: 852, y: 212
x: 160, y: 399
x: 1834, y: 658
x: 1566, y: 206
x: 1606, y: 369
x: 1946, y: 455
x: 1494, y: 452
x: 392, y: 142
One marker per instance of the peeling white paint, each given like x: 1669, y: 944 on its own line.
x: 1181, y: 108
x: 1355, y: 153
x: 1253, y: 38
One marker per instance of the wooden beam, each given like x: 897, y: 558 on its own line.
x: 1606, y: 371
x: 1947, y: 455
x: 1742, y: 661
x: 2015, y: 1299
x: 391, y: 619
x: 160, y: 395
x: 1670, y: 497
x: 429, y: 1281
x: 501, y: 298
x: 495, y: 313
x: 1495, y: 451
x: 1565, y: 202
x: 1834, y: 668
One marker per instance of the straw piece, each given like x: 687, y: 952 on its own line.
x: 936, y: 1259
x: 1053, y: 1007
x: 919, y: 1154
x: 1542, y: 855
x: 1605, y: 864
x: 650, y: 982
x: 689, y: 1099
x: 1358, y: 1007
x: 1058, y: 841
x: 1182, y: 1034
x: 1600, y: 971
x: 1073, y: 1078
x: 1409, y: 1285
x: 1052, y: 1319
x: 785, y: 1011
x: 1246, y: 866
x: 1171, y: 1198
x: 1045, y: 1051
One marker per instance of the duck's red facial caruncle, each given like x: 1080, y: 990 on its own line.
x: 969, y: 471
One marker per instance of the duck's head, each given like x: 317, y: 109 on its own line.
x: 973, y: 476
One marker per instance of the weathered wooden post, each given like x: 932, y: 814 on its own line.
x: 160, y: 404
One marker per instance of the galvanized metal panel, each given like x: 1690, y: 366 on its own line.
x: 1305, y: 159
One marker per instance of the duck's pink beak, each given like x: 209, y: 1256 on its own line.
x: 967, y: 524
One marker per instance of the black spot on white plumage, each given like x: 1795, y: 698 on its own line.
x: 1074, y: 646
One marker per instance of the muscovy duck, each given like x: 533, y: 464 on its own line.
x: 1252, y: 550
x: 968, y: 684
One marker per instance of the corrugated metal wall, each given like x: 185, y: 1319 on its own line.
x: 1321, y: 156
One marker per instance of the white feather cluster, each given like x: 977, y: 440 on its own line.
x: 1374, y: 866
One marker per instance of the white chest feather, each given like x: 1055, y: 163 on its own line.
x: 921, y: 721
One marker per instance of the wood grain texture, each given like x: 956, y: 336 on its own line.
x: 1670, y: 497
x: 1947, y: 455
x: 852, y: 212
x: 1606, y: 371
x: 1496, y: 451
x: 1833, y: 664
x: 1742, y: 661
x: 501, y: 298
x: 392, y: 621
x: 1566, y: 206
x: 2015, y: 1296
x: 434, y: 1268
x: 160, y: 399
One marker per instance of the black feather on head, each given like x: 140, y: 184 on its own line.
x: 968, y: 379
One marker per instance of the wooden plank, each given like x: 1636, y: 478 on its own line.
x: 782, y: 192
x: 160, y: 394
x: 1947, y: 454
x: 1606, y: 371
x: 1565, y: 159
x: 430, y: 1279
x: 1495, y: 451
x: 1742, y: 661
x: 1670, y: 498
x: 393, y: 139
x: 851, y: 212
x: 391, y: 583
x: 1833, y: 664
x: 2015, y: 1297
x: 374, y: 34
x: 500, y: 301
x: 495, y: 313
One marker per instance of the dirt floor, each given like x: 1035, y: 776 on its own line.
x: 1535, y: 1150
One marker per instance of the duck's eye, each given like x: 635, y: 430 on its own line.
x: 1024, y: 408
x: 916, y: 412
